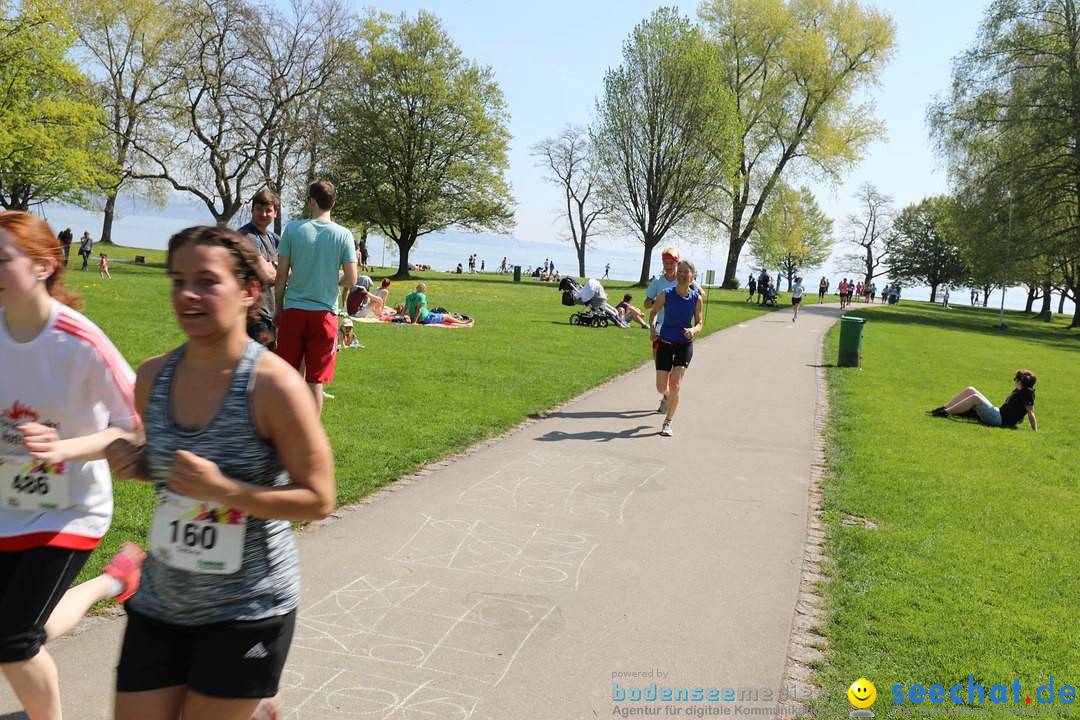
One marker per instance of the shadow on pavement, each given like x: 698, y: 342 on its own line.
x: 625, y: 415
x: 599, y: 435
x: 15, y: 716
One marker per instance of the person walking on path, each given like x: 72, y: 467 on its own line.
x: 607, y: 269
x: 1020, y: 402
x: 681, y: 307
x: 822, y: 288
x: 65, y: 394
x: 236, y: 451
x: 86, y: 246
x: 797, y: 291
x: 315, y: 258
x: 265, y: 206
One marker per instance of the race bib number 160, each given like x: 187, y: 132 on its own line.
x: 197, y: 536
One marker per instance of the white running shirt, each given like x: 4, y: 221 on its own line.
x: 73, y: 378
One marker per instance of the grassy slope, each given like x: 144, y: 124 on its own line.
x: 412, y: 395
x: 973, y: 569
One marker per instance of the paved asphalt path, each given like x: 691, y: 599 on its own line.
x: 583, y: 551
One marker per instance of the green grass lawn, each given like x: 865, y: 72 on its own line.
x: 973, y: 568
x: 412, y: 395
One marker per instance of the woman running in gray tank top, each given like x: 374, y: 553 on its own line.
x: 235, y: 449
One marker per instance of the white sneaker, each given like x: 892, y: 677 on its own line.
x: 663, y: 405
x: 665, y: 429
x: 327, y: 395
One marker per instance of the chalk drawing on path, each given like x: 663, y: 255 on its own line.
x: 583, y: 487
x: 470, y: 636
x: 525, y: 552
x: 324, y: 693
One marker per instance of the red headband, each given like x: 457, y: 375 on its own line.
x: 669, y: 256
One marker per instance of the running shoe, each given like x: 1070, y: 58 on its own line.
x: 663, y: 405
x: 327, y: 395
x: 126, y: 566
x: 665, y: 429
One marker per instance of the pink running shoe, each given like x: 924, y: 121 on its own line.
x: 126, y: 566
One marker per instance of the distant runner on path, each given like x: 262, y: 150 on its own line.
x: 681, y: 307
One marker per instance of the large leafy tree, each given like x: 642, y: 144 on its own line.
x: 663, y: 130
x: 796, y: 69
x: 568, y: 164
x: 794, y: 233
x: 419, y: 136
x: 1010, y: 129
x: 921, y: 251
x: 51, y: 144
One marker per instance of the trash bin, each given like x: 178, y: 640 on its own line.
x: 850, y: 342
x: 517, y: 273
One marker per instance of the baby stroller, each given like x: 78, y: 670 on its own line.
x: 597, y: 312
x: 769, y: 296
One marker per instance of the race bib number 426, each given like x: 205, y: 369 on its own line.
x: 32, y: 486
x: 197, y: 536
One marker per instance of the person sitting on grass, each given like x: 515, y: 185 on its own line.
x: 416, y: 308
x: 1020, y: 402
x: 628, y: 312
x: 346, y: 336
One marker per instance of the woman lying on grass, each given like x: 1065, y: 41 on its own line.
x: 1021, y: 401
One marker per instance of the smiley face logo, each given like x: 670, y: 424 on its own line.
x: 862, y: 693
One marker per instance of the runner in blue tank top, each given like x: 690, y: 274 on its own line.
x: 681, y: 306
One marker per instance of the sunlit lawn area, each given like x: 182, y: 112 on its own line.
x: 973, y: 568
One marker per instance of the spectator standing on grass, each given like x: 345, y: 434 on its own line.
x: 265, y: 206
x: 945, y: 298
x: 315, y: 258
x: 607, y: 269
x: 86, y: 246
x: 66, y: 238
x: 751, y: 285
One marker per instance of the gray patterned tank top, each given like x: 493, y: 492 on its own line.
x: 268, y: 581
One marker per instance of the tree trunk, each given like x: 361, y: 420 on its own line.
x: 106, y: 224
x: 731, y: 269
x: 646, y: 261
x: 986, y: 294
x: 581, y: 258
x: 1047, y: 298
x: 1061, y: 303
x: 405, y: 243
x: 1076, y: 316
x: 933, y: 293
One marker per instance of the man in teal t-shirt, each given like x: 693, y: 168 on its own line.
x: 315, y: 258
x: 416, y: 304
